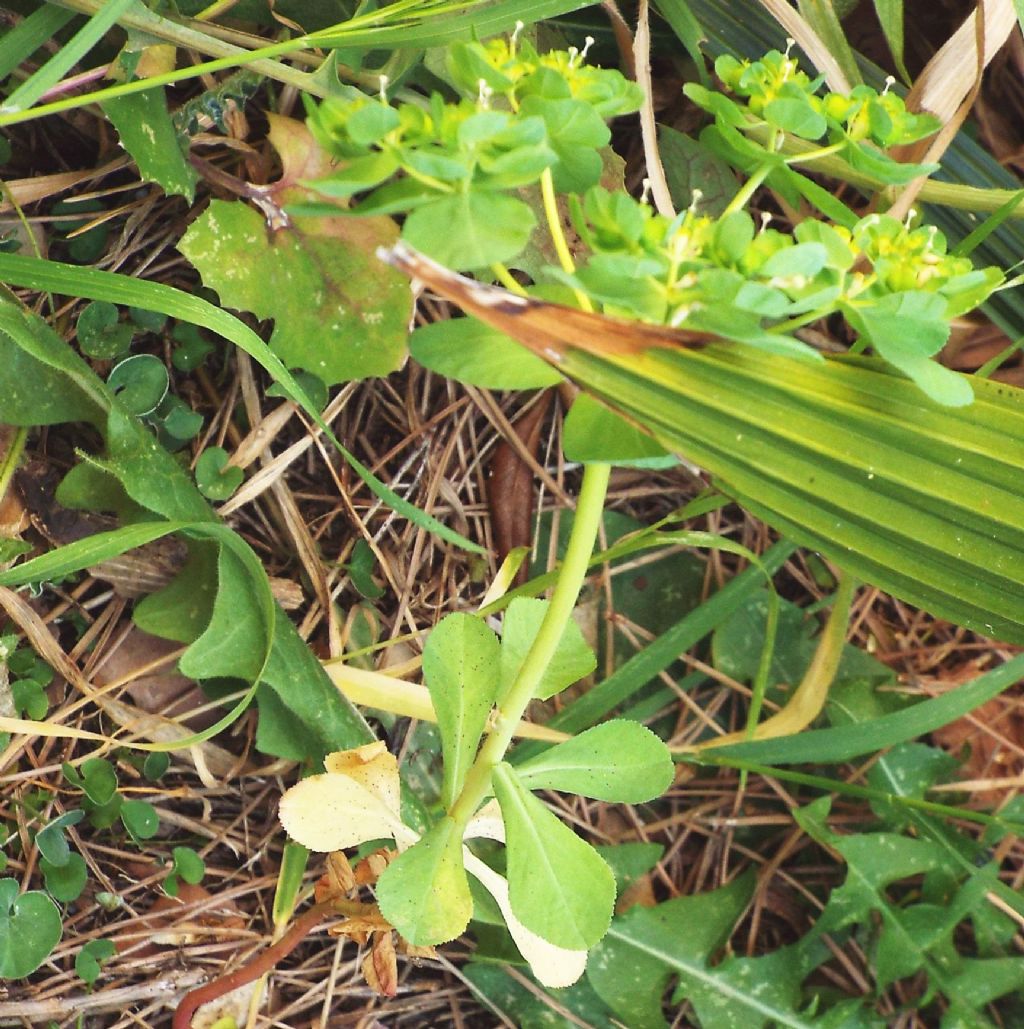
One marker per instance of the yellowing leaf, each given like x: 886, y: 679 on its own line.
x: 331, y: 812
x: 553, y: 966
x: 336, y: 312
x: 374, y: 767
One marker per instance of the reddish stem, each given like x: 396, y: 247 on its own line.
x: 259, y: 966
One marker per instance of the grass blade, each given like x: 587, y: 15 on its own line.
x: 91, y: 283
x: 66, y: 57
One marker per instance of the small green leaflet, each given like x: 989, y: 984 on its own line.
x: 572, y: 661
x: 618, y: 761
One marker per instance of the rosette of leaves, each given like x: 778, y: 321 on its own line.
x: 779, y: 98
x: 451, y: 167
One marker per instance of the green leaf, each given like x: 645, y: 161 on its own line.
x: 645, y: 947
x: 338, y: 313
x: 30, y: 698
x: 302, y: 714
x: 100, y: 334
x: 24, y: 38
x: 147, y: 133
x: 360, y: 568
x: 823, y: 19
x: 795, y: 115
x: 847, y: 458
x: 30, y: 927
x: 235, y: 642
x: 890, y: 17
x: 460, y: 668
x: 155, y: 765
x: 593, y: 433
x: 908, y: 328
x: 470, y: 230
x: 914, y: 935
x: 51, y: 841
x: 35, y: 336
x: 140, y: 819
x: 576, y: 132
x: 737, y: 643
x: 214, y: 477
x: 473, y: 353
x: 690, y: 166
x: 90, y: 957
x: 139, y: 383
x: 572, y: 660
x: 98, y: 780
x: 66, y: 57
x: 559, y: 886
x: 424, y: 893
x: 618, y: 761
x: 65, y: 882
x: 530, y: 1006
x: 188, y: 864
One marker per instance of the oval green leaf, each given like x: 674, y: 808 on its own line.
x: 559, y: 886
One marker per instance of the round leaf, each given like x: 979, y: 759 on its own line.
x: 140, y: 819
x: 30, y: 928
x: 100, y: 334
x: 89, y: 958
x: 99, y: 780
x: 213, y: 478
x: 65, y: 882
x: 188, y: 864
x: 470, y: 230
x: 140, y: 383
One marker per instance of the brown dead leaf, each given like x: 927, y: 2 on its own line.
x: 510, y: 487
x: 380, y: 969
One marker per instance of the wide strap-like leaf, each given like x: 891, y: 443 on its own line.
x: 846, y: 457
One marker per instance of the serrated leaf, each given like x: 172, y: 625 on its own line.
x: 338, y: 313
x: 911, y: 936
x: 424, y: 892
x: 619, y: 761
x: 460, y: 668
x: 559, y: 886
x: 148, y: 135
x: 645, y: 947
x: 572, y: 661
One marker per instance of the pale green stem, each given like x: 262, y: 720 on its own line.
x: 9, y: 460
x: 747, y: 190
x: 547, y: 192
x: 587, y: 520
x: 816, y: 155
x: 504, y: 276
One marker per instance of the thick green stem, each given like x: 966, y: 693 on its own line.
x: 589, y: 509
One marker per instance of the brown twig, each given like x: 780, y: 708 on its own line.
x: 252, y: 971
